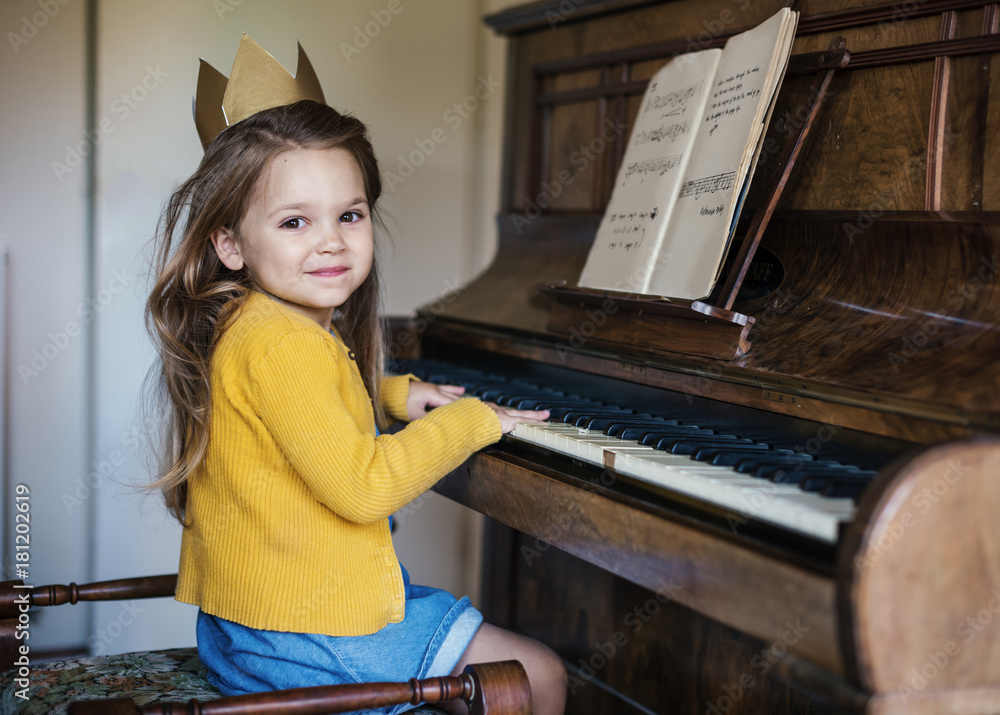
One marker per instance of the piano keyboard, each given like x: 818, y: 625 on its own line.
x: 751, y: 479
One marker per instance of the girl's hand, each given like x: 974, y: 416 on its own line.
x: 510, y: 418
x: 425, y: 396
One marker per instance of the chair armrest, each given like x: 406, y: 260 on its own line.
x: 16, y: 599
x: 12, y: 598
x: 488, y: 688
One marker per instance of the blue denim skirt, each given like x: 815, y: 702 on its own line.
x: 428, y: 642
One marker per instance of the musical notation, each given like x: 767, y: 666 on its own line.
x: 652, y: 166
x: 627, y: 237
x: 633, y: 215
x: 708, y: 184
x: 660, y: 133
x: 629, y: 228
x: 673, y: 100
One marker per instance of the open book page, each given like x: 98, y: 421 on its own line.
x: 623, y: 255
x: 726, y: 147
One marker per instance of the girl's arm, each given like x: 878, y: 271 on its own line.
x: 314, y: 407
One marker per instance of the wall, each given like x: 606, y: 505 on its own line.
x: 78, y: 351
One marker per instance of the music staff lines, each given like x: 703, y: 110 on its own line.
x: 708, y: 184
x: 677, y: 98
x: 660, y: 133
x: 653, y: 166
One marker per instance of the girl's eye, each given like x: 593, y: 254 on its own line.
x: 351, y: 217
x: 292, y: 223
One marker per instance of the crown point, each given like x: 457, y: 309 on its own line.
x: 257, y: 82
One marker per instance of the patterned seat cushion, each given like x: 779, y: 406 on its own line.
x: 175, y: 674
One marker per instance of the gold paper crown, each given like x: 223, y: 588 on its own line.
x: 256, y: 82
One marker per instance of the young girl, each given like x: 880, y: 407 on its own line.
x: 265, y: 313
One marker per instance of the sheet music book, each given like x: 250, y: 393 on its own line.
x: 688, y: 164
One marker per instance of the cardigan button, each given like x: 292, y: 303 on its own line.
x: 350, y: 354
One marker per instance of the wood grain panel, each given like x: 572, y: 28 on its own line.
x: 626, y: 644
x: 576, y: 152
x: 904, y: 30
x: 869, y: 146
x: 991, y: 173
x: 704, y: 572
x: 964, y: 160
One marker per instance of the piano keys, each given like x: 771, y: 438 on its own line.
x: 780, y: 482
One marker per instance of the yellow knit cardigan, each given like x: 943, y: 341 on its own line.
x: 287, y: 514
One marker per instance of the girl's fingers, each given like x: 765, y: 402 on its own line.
x: 510, y: 418
x: 531, y: 414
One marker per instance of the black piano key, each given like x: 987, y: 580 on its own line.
x: 728, y: 457
x: 652, y: 439
x: 602, y: 422
x: 522, y: 402
x: 689, y: 446
x: 764, y: 465
x: 845, y: 489
x: 635, y: 432
x: 565, y: 413
x: 831, y: 454
x: 572, y: 416
x: 821, y: 482
x: 800, y: 476
x: 606, y: 423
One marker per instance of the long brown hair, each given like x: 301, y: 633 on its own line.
x: 195, y: 295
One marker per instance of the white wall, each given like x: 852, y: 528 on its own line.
x: 402, y: 77
x: 43, y: 83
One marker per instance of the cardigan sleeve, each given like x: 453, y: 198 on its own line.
x: 361, y: 477
x: 393, y: 391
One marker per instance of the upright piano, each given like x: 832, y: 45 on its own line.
x: 807, y: 520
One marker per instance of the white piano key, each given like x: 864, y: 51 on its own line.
x: 783, y: 504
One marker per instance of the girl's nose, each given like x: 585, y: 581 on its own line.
x: 333, y: 240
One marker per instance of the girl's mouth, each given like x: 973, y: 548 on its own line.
x: 327, y: 272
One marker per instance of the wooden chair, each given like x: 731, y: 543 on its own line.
x: 174, y: 681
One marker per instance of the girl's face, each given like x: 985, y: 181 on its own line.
x: 307, y: 237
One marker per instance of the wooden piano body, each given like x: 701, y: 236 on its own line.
x: 875, y: 326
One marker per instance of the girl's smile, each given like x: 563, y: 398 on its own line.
x: 307, y: 238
